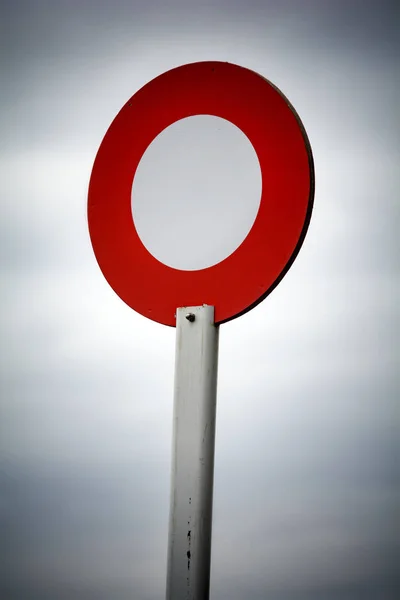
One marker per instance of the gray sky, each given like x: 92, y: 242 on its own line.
x: 307, y: 485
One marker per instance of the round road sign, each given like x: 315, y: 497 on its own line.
x: 240, y: 281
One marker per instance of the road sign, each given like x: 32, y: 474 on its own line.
x: 211, y: 295
x: 250, y: 273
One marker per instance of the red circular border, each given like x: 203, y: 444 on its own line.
x: 248, y: 275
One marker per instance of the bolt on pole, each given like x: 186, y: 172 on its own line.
x: 189, y: 540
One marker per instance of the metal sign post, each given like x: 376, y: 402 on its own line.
x: 189, y: 542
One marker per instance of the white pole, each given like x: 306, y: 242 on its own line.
x: 189, y: 541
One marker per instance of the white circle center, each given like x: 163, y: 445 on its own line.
x: 196, y: 192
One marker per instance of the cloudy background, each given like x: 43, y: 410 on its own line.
x: 307, y: 490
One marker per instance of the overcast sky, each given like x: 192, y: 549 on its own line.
x: 307, y: 486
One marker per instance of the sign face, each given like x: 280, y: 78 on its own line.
x: 243, y: 279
